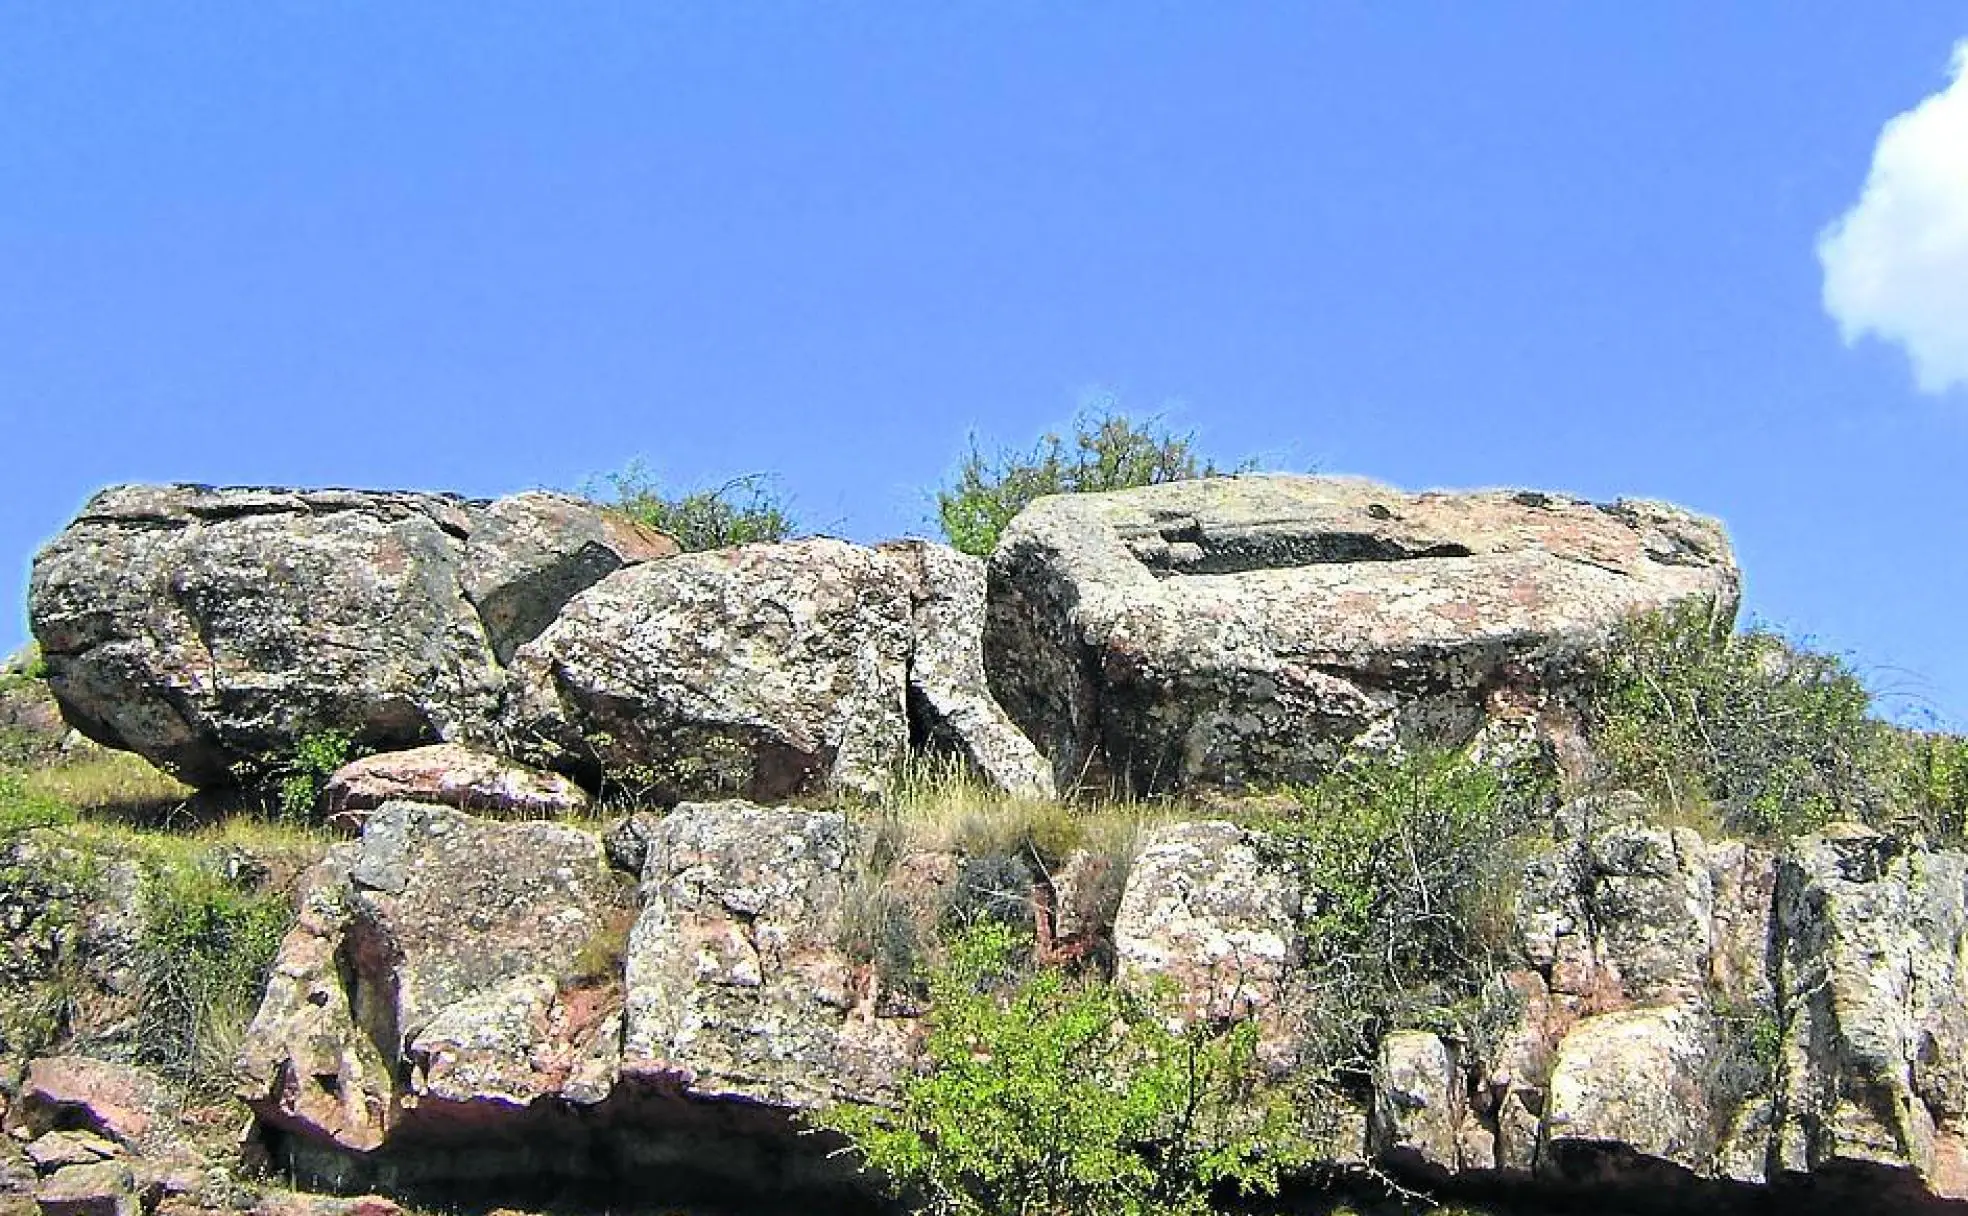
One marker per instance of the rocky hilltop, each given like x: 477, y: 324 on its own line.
x: 626, y: 872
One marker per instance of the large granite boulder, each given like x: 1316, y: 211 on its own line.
x: 211, y: 630
x: 765, y: 670
x: 1252, y: 630
x: 768, y: 671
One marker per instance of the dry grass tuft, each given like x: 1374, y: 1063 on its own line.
x: 940, y: 806
x: 110, y: 783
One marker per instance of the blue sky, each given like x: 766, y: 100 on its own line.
x: 487, y: 246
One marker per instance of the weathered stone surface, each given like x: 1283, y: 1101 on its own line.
x: 211, y: 630
x: 1875, y: 1045
x: 308, y: 1066
x: 31, y: 726
x: 450, y: 774
x: 1204, y: 910
x: 450, y: 1008
x: 767, y: 670
x: 1254, y: 629
x: 528, y: 554
x: 443, y: 950
x: 104, y: 1188
x: 737, y: 983
x: 120, y: 1102
x: 51, y: 1151
x: 1631, y: 1079
x: 1418, y: 1104
x: 949, y: 695
x: 1622, y: 913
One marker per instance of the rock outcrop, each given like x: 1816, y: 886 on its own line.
x: 491, y: 1004
x: 1678, y: 1017
x: 473, y: 1003
x: 382, y: 1010
x: 1252, y: 630
x: 1873, y: 969
x: 211, y: 630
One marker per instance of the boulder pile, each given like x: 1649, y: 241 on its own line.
x: 490, y: 985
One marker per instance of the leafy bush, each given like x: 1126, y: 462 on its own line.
x: 1931, y: 777
x: 207, y: 947
x: 1108, y: 451
x: 741, y: 511
x: 1409, y: 864
x: 1050, y: 1095
x: 315, y: 759
x: 1776, y: 739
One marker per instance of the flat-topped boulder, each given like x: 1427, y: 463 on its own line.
x: 1251, y: 630
x: 212, y: 630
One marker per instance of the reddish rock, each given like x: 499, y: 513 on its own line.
x: 118, y: 1101
x: 448, y: 774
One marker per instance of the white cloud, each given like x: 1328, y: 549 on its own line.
x: 1896, y: 264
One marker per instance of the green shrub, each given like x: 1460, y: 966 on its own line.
x: 1108, y: 451
x: 1931, y: 779
x: 1776, y: 739
x: 1744, y: 1062
x: 1409, y: 866
x: 306, y: 774
x: 741, y: 511
x: 207, y: 947
x: 1049, y: 1095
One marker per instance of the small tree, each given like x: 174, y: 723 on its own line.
x: 741, y: 511
x: 1108, y: 451
x: 1050, y: 1094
